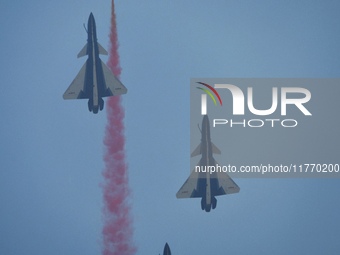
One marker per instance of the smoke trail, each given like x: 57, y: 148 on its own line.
x: 117, y: 231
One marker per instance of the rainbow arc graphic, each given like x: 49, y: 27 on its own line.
x: 209, y: 90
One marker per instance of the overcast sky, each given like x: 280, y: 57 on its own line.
x: 51, y: 150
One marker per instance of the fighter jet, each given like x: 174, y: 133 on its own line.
x: 94, y: 80
x: 166, y: 250
x: 207, y: 184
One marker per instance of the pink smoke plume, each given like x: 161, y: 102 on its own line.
x: 117, y: 230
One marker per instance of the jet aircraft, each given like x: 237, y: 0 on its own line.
x: 166, y: 250
x: 207, y: 184
x: 94, y: 80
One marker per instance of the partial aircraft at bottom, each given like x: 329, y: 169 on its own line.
x: 207, y: 185
x: 94, y: 80
x: 166, y: 250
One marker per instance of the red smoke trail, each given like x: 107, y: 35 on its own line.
x: 117, y: 231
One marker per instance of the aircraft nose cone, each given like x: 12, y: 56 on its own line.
x: 91, y: 22
x: 91, y: 18
x: 166, y: 250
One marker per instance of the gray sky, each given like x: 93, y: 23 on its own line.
x: 52, y: 150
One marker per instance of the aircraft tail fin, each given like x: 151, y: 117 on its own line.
x: 102, y: 50
x: 197, y: 151
x: 83, y: 52
x: 215, y: 150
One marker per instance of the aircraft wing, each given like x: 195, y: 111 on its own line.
x: 75, y: 90
x: 226, y: 184
x: 188, y: 189
x: 113, y: 86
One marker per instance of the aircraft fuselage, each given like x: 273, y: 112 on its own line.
x: 94, y: 80
x: 205, y: 184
